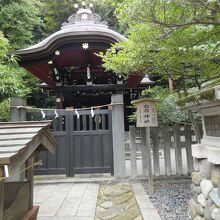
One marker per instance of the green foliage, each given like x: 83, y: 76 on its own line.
x: 168, y: 112
x: 199, y: 97
x: 106, y: 10
x: 175, y: 39
x: 12, y: 78
x: 21, y: 25
x: 11, y: 75
x: 11, y: 83
x: 20, y: 21
x: 169, y: 13
x: 55, y: 12
x: 41, y: 99
x: 4, y: 110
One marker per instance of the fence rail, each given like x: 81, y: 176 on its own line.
x: 171, y: 153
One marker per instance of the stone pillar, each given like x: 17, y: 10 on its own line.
x: 18, y: 114
x: 132, y: 137
x: 118, y: 132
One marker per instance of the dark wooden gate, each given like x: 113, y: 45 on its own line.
x: 84, y: 143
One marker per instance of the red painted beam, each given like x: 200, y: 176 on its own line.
x: 40, y: 74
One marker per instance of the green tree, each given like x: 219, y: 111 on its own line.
x: 12, y: 79
x: 11, y: 75
x: 169, y: 13
x: 21, y: 25
x: 170, y: 38
x: 20, y: 22
x: 178, y: 40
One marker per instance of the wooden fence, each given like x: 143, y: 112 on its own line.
x: 171, y: 153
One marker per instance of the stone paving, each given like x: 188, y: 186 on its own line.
x: 117, y: 202
x: 89, y: 201
x: 66, y: 201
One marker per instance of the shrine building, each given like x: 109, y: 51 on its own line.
x: 68, y: 64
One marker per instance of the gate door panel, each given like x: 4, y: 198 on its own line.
x: 58, y: 163
x: 84, y: 144
x: 91, y: 148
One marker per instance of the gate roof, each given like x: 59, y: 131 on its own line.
x: 73, y: 49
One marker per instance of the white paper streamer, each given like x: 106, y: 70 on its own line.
x: 77, y: 113
x: 43, y: 114
x: 6, y: 171
x: 56, y: 114
x: 92, y: 113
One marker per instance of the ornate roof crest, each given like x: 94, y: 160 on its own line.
x: 84, y: 16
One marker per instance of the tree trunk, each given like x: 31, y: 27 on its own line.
x: 171, y: 85
x: 195, y: 127
x: 194, y: 124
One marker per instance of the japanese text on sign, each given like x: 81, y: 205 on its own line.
x: 146, y: 114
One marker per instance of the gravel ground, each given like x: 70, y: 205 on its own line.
x: 171, y: 199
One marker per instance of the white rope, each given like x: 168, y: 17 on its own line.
x: 43, y: 114
x: 77, y: 113
x: 92, y: 112
x: 56, y: 114
x: 53, y: 109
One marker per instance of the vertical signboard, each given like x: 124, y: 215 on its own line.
x: 147, y: 117
x: 146, y: 114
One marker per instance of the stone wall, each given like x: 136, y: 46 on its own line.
x: 205, y: 190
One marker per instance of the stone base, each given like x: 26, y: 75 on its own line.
x: 205, y: 189
x: 211, y: 153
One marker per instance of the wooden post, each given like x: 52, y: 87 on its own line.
x: 118, y: 132
x: 155, y: 140
x: 145, y: 171
x: 148, y: 148
x: 188, y: 140
x: 166, y: 143
x: 30, y: 178
x: 2, y: 183
x: 146, y: 117
x: 178, y: 149
x: 133, y: 151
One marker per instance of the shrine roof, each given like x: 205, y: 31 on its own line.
x: 82, y: 24
x: 81, y: 31
x: 74, y: 48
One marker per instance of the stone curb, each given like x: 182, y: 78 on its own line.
x: 148, y: 211
x: 41, y: 180
x: 38, y: 180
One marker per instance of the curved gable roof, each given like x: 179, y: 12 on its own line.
x: 84, y: 27
x: 81, y: 26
